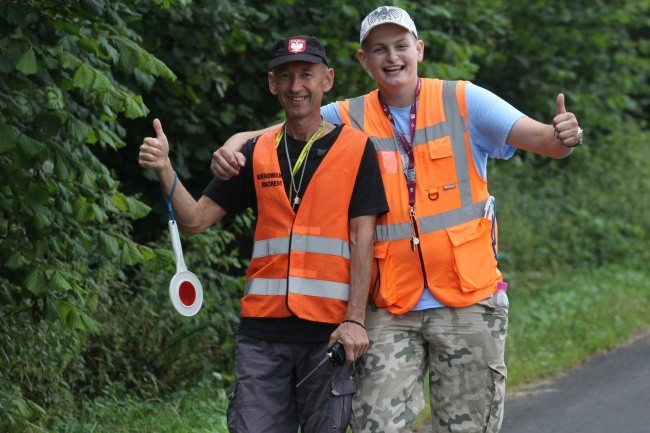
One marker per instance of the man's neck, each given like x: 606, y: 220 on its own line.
x: 399, y: 97
x: 303, y: 129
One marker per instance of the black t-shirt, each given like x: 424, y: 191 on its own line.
x: 238, y: 193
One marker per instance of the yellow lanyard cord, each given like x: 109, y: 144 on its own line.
x: 301, y: 160
x: 305, y: 150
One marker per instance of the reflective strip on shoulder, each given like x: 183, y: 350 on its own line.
x: 301, y: 286
x: 356, y: 112
x: 455, y: 125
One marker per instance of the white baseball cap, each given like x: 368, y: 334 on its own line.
x: 386, y: 15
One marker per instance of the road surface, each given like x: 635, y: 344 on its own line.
x: 610, y: 393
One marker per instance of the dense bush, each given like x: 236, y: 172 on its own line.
x: 585, y: 211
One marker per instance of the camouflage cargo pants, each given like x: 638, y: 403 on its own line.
x: 463, y: 350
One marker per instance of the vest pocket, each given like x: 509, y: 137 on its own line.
x: 441, y: 154
x: 475, y: 263
x: 378, y: 293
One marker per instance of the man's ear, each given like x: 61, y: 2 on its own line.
x: 362, y: 58
x: 419, y: 46
x: 328, y: 80
x: 272, y: 83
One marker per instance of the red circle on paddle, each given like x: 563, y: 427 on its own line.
x: 187, y: 293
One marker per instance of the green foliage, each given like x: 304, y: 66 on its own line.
x: 592, y: 51
x: 584, y: 211
x: 66, y: 86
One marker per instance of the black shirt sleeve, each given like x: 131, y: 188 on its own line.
x: 368, y: 196
x: 237, y: 193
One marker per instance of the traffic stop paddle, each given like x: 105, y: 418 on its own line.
x: 185, y: 289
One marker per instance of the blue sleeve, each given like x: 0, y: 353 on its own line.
x: 330, y: 113
x: 490, y: 119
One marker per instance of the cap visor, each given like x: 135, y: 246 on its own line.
x: 295, y: 58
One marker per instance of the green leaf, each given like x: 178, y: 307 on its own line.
x: 78, y: 130
x: 54, y: 98
x: 8, y: 138
x: 130, y: 254
x: 137, y: 208
x: 99, y: 214
x: 42, y: 222
x: 108, y: 244
x: 147, y: 253
x: 16, y: 260
x: 73, y: 320
x: 29, y: 146
x: 135, y: 107
x: 27, y: 63
x: 102, y: 83
x: 36, y: 282
x: 84, y: 77
x: 89, y: 324
x: 60, y: 282
x: 69, y: 61
x: 120, y: 201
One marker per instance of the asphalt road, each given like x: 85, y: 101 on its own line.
x: 610, y: 393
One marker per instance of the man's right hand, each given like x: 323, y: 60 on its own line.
x: 226, y: 162
x: 154, y: 151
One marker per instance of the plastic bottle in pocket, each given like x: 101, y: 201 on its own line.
x: 501, y: 297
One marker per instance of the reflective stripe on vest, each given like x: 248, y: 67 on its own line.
x: 300, y: 286
x: 454, y: 127
x: 394, y: 232
x: 308, y: 244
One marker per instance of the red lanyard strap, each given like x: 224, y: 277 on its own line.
x: 408, y: 147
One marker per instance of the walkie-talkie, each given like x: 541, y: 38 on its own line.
x: 336, y: 354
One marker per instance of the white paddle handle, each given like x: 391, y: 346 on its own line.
x: 176, y: 245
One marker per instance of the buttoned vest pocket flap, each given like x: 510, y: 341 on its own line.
x: 440, y: 148
x: 475, y: 263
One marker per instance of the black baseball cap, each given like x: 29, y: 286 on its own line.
x: 296, y: 49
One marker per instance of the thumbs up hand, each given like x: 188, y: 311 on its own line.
x: 565, y: 125
x: 154, y: 151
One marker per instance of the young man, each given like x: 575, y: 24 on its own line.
x: 431, y: 302
x: 316, y: 189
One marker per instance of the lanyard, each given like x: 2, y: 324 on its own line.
x: 408, y: 147
x: 301, y: 158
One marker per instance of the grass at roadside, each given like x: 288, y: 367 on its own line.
x: 559, y: 320
x: 199, y: 410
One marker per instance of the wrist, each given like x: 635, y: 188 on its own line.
x: 355, y: 322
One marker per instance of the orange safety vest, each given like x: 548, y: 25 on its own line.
x: 301, y: 261
x: 455, y: 256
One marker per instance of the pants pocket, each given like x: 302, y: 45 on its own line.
x: 340, y: 407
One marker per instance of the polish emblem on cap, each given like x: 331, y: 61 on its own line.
x: 297, y: 45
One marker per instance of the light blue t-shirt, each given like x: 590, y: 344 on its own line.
x: 490, y: 119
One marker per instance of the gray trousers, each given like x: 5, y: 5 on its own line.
x: 265, y: 399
